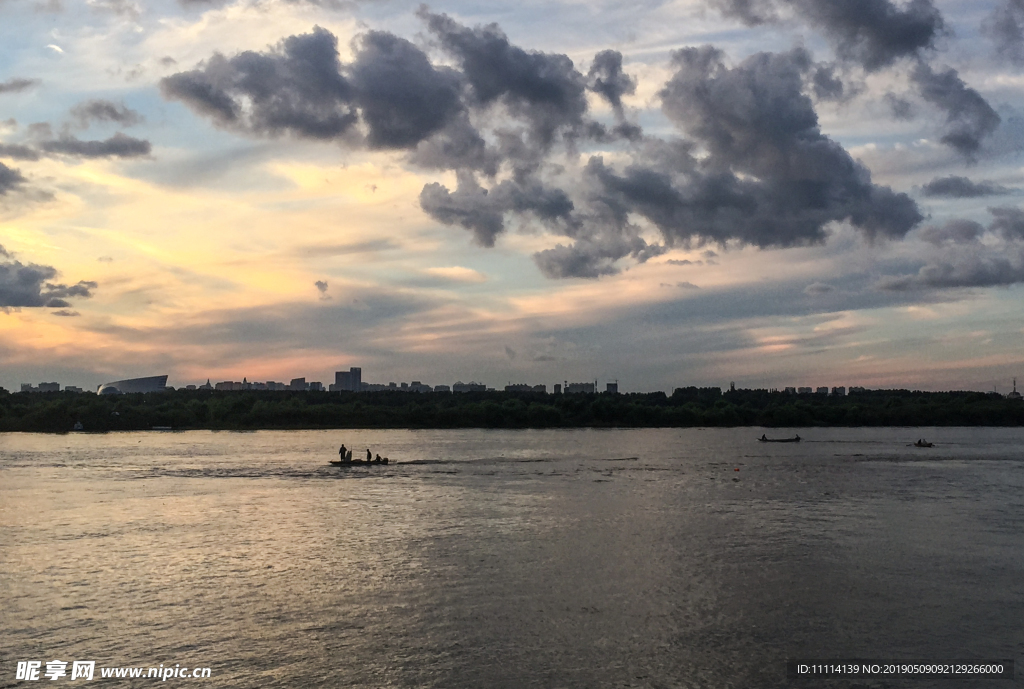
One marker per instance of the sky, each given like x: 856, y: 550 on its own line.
x: 660, y: 192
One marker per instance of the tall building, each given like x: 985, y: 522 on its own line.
x: 351, y: 380
x: 612, y: 388
x: 579, y: 387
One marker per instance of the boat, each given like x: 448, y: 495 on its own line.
x: 764, y: 439
x: 923, y: 443
x: 357, y: 462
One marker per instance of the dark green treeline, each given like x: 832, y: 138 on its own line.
x: 243, y: 410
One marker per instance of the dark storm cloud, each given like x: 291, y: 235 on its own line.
x: 118, y: 146
x: 301, y: 88
x: 757, y: 170
x: 18, y: 152
x: 482, y: 210
x: 10, y: 179
x: 403, y: 98
x: 1005, y: 26
x: 956, y: 231
x: 294, y: 89
x: 965, y: 260
x: 969, y: 269
x: 962, y: 188
x: 607, y: 79
x: 458, y: 146
x: 827, y: 86
x: 99, y: 110
x: 754, y: 119
x: 29, y: 285
x: 592, y: 257
x: 1008, y: 222
x: 17, y: 85
x: 969, y: 117
x: 542, y: 88
x: 873, y: 33
x: 900, y: 107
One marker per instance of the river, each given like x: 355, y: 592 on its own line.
x: 476, y: 558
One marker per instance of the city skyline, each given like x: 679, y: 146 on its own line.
x: 350, y: 381
x: 768, y: 192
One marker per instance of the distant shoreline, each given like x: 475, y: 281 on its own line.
x: 61, y: 412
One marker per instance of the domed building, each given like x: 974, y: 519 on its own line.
x: 123, y: 387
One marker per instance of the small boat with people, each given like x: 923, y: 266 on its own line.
x: 923, y: 443
x: 766, y: 439
x: 345, y: 459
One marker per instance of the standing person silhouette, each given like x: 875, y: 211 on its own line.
x: 369, y: 455
x: 342, y: 453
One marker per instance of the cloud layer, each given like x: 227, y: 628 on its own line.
x: 30, y: 285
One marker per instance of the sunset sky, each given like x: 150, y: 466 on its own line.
x: 663, y: 193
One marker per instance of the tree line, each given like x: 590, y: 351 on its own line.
x: 60, y: 412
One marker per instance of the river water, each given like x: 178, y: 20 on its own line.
x: 576, y: 558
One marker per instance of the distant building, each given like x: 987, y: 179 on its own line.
x: 558, y: 388
x: 350, y: 380
x: 839, y: 391
x: 1013, y: 395
x: 73, y: 388
x: 150, y: 384
x: 854, y: 390
x: 42, y: 387
x: 298, y: 384
x: 417, y: 386
x: 468, y: 387
x: 442, y: 388
x: 821, y: 391
x: 579, y: 387
x: 613, y: 388
x: 804, y: 391
x: 523, y: 387
x: 190, y: 387
x: 732, y: 386
x: 790, y: 391
x: 372, y: 387
x: 207, y: 386
x: 316, y: 386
